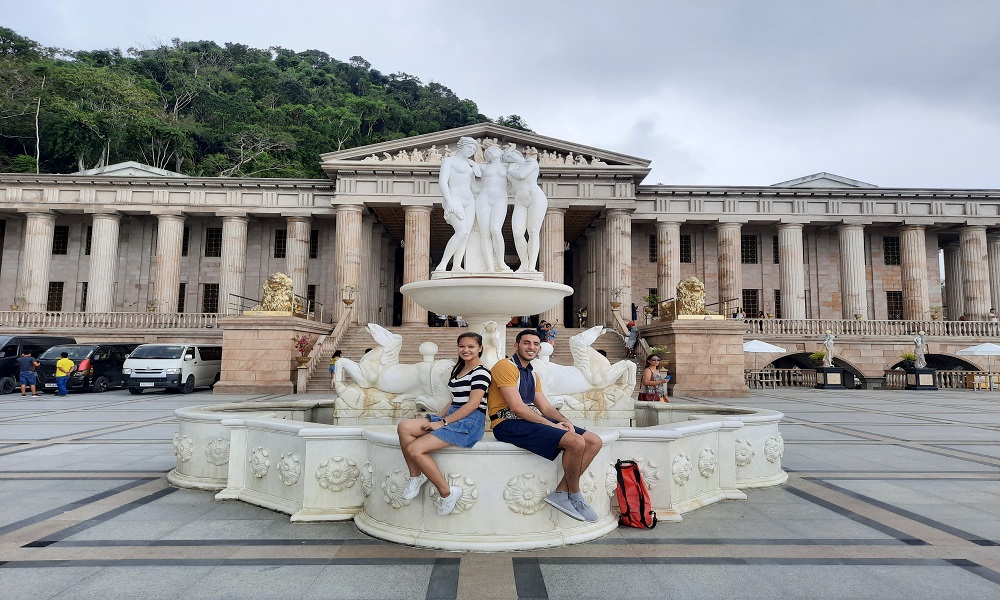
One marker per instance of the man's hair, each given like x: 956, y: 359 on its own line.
x: 64, y: 354
x: 525, y: 332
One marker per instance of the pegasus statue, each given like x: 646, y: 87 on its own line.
x: 593, y: 385
x: 382, y: 387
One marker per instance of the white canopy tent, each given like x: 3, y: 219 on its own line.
x: 758, y: 347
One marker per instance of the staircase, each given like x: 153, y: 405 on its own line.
x: 356, y: 339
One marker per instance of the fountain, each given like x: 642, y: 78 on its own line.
x: 340, y: 459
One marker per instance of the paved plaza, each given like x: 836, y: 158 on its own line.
x: 890, y: 495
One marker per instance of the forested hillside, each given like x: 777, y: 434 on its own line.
x: 204, y: 109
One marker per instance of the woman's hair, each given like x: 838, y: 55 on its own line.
x: 651, y: 357
x: 460, y: 363
x: 493, y: 151
x: 337, y: 354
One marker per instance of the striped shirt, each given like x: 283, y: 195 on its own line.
x: 476, y: 379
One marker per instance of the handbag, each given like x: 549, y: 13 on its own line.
x: 649, y: 397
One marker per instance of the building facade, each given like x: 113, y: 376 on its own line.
x: 820, y: 247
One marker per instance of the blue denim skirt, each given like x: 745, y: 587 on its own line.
x: 463, y: 433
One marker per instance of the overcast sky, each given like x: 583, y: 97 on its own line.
x: 898, y: 93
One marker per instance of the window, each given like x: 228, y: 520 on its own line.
x: 181, y: 296
x: 280, y: 242
x: 652, y: 249
x: 60, y: 239
x: 54, y: 303
x: 83, y: 297
x: 774, y: 250
x: 210, y: 352
x: 185, y: 241
x: 751, y: 302
x: 777, y: 304
x: 894, y: 305
x: 686, y: 255
x: 748, y: 250
x: 311, y: 294
x: 890, y: 250
x: 314, y: 243
x: 213, y: 242
x: 210, y: 298
x: 90, y: 236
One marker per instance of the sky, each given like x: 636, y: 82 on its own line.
x: 896, y: 93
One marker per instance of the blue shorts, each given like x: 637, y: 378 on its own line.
x: 333, y: 368
x: 28, y: 378
x: 536, y: 438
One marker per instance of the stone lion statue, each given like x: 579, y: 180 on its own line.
x: 690, y: 299
x: 278, y: 294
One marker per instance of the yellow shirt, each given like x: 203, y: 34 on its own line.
x: 64, y: 366
x: 504, y: 374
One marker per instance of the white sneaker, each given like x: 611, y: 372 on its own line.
x: 413, y: 485
x: 446, y: 505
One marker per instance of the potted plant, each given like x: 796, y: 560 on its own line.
x: 616, y: 297
x: 303, y: 344
x: 909, y: 360
x: 857, y: 313
x: 935, y: 312
x: 349, y: 291
x: 151, y: 305
x: 19, y: 301
x: 817, y: 357
x: 651, y: 300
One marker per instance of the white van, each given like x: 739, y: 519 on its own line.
x: 175, y: 367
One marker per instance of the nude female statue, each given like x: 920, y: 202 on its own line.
x: 530, y: 204
x: 491, y: 209
x: 455, y: 180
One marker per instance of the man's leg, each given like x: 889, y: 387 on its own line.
x: 574, y: 448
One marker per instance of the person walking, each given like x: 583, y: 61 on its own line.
x: 461, y: 423
x: 27, y: 364
x: 333, y: 366
x: 64, y: 367
x: 631, y: 339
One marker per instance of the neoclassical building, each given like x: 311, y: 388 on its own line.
x: 819, y: 247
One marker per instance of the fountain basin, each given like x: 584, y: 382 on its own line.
x: 486, y: 297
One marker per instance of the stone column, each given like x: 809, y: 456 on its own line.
x: 347, y: 257
x: 385, y: 278
x: 551, y: 258
x: 36, y: 257
x: 975, y: 272
x: 169, y: 242
x: 954, y: 296
x: 367, y: 303
x: 730, y: 267
x: 993, y: 251
x: 853, y: 289
x: 792, y: 271
x: 233, y: 264
x: 416, y: 259
x: 668, y: 259
x: 913, y: 272
x: 619, y: 257
x: 582, y: 279
x: 103, y: 263
x: 602, y: 294
x: 297, y: 253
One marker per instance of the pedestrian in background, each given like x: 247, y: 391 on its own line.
x: 64, y: 367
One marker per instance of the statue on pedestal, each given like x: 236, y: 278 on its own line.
x: 530, y: 204
x: 455, y: 180
x: 828, y: 349
x: 491, y: 209
x: 920, y: 350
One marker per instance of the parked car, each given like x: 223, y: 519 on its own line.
x: 174, y: 367
x: 11, y: 347
x: 98, y: 366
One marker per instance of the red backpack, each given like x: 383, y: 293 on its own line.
x: 633, y: 497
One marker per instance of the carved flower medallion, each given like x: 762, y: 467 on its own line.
x: 217, y: 452
x: 392, y: 488
x: 367, y: 479
x: 707, y: 462
x: 611, y: 480
x: 525, y: 494
x: 289, y: 468
x: 588, y: 486
x: 650, y: 472
x: 744, y: 453
x: 470, y: 493
x: 774, y: 448
x: 681, y: 468
x: 337, y: 474
x: 183, y: 447
x: 260, y: 461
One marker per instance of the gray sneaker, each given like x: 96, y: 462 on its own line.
x: 563, y: 505
x: 446, y: 505
x: 413, y: 485
x: 585, y: 510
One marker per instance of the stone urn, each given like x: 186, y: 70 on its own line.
x: 302, y: 361
x: 616, y: 305
x: 348, y: 301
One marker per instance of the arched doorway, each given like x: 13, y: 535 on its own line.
x: 853, y: 378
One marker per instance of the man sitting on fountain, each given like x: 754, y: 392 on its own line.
x: 521, y: 415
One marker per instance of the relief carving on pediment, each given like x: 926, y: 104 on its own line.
x: 433, y: 155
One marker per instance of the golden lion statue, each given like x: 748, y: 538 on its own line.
x: 278, y: 295
x: 690, y: 300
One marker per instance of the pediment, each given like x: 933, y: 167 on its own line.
x: 130, y: 169
x: 824, y: 180
x: 426, y: 150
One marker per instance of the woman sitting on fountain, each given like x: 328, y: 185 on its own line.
x: 461, y: 423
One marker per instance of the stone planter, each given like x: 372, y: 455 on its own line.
x: 302, y: 361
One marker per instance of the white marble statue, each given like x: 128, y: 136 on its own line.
x: 491, y: 209
x: 592, y: 385
x: 493, y: 350
x: 828, y: 349
x: 530, y: 204
x: 384, y: 388
x: 459, y: 203
x: 920, y: 350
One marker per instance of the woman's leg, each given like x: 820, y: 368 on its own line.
x: 419, y: 452
x: 410, y: 431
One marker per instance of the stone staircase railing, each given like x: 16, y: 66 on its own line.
x: 85, y: 320
x: 305, y: 372
x: 816, y: 327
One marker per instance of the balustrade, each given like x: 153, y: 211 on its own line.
x: 764, y: 378
x: 863, y: 327
x: 114, y: 320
